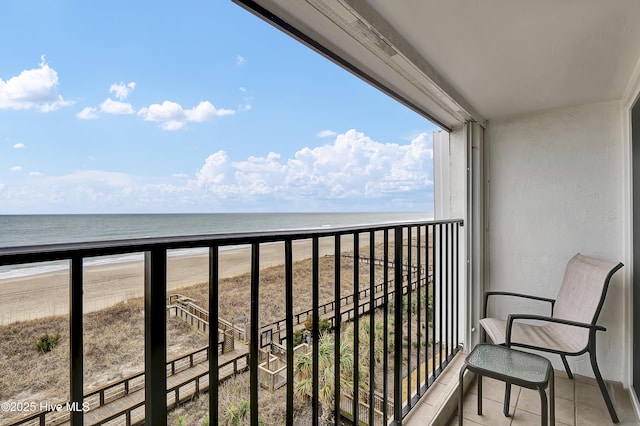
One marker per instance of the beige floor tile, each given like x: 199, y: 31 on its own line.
x: 529, y: 400
x: 422, y: 414
x: 590, y: 395
x: 467, y: 422
x: 578, y: 402
x: 449, y: 376
x: 491, y: 411
x: 588, y: 415
x: 494, y: 390
x: 437, y: 394
x: 525, y: 418
x: 623, y: 405
x: 565, y: 387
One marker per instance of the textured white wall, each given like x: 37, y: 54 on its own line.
x: 556, y: 187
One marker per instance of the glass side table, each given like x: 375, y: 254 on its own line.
x: 512, y: 367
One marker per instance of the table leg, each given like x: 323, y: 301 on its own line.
x: 479, y: 394
x: 552, y: 397
x: 461, y: 393
x: 544, y: 416
x: 507, y: 399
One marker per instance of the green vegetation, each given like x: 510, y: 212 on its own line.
x: 47, y: 342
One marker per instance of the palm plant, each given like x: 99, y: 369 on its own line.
x: 303, y: 368
x: 303, y: 374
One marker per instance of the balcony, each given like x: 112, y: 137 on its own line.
x: 400, y: 285
x: 578, y: 402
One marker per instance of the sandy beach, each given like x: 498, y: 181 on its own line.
x: 46, y: 294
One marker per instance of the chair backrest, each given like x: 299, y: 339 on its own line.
x: 584, y: 288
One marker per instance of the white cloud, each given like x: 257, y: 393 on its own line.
x: 116, y: 107
x: 16, y: 169
x: 35, y: 88
x: 88, y: 113
x: 36, y: 174
x: 350, y: 172
x: 326, y: 134
x: 19, y: 146
x: 172, y: 116
x: 240, y: 60
x: 353, y: 166
x: 94, y: 191
x: 213, y: 170
x: 122, y: 90
x: 205, y: 111
x: 2, y: 186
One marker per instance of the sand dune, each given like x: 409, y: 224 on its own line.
x: 46, y: 294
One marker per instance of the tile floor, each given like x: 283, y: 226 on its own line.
x: 578, y: 403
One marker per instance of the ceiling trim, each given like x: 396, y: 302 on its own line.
x: 411, y: 67
x: 437, y: 86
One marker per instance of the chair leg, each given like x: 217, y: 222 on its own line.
x: 603, y: 387
x: 566, y: 366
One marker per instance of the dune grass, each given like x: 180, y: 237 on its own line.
x: 114, y: 337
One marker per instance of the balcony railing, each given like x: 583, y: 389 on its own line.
x: 412, y: 293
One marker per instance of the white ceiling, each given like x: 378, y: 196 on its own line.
x: 476, y: 59
x: 510, y: 57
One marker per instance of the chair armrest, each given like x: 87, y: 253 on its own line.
x: 592, y: 327
x: 509, y: 293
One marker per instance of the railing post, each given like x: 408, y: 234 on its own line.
x: 315, y: 301
x: 254, y: 338
x: 397, y: 344
x: 409, y: 301
x: 155, y: 330
x: 372, y: 325
x: 76, y: 341
x: 457, y: 283
x: 288, y: 271
x: 447, y: 281
x: 337, y: 329
x: 212, y: 355
x: 356, y: 323
x: 418, y: 306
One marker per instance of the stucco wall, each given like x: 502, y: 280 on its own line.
x: 555, y: 187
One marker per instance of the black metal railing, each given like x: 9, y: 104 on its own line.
x: 420, y: 324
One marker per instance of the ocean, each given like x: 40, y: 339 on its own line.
x: 21, y: 230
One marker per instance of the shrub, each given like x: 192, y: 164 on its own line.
x: 235, y: 415
x: 298, y: 337
x: 47, y: 342
x: 323, y: 327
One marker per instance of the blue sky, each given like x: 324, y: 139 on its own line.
x: 197, y: 106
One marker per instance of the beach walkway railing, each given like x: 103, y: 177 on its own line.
x: 443, y: 251
x: 198, y: 318
x: 187, y: 376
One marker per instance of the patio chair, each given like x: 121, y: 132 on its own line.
x: 571, y: 327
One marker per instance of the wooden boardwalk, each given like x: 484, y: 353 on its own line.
x: 125, y: 406
x: 181, y: 387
